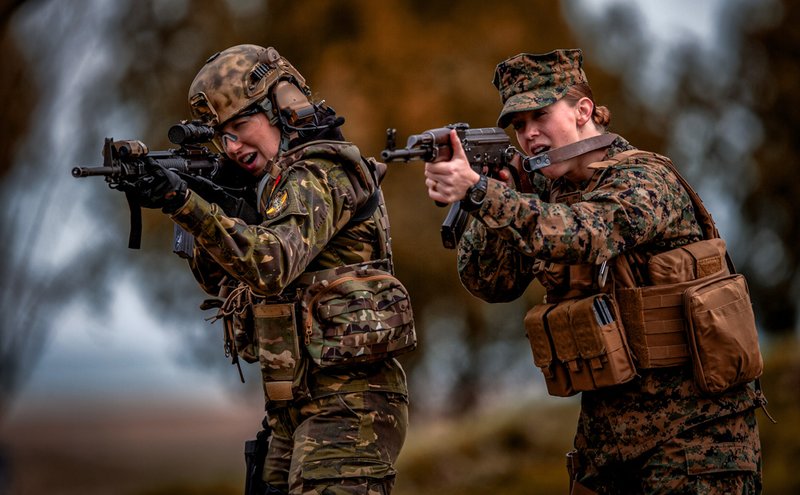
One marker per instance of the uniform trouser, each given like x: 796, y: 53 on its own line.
x: 719, y: 457
x: 336, y: 445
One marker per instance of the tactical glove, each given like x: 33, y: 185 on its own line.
x: 159, y: 188
x: 232, y: 201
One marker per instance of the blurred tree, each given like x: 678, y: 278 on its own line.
x: 769, y: 76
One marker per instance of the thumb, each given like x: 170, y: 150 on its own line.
x: 455, y: 143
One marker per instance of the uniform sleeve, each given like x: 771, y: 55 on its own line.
x: 634, y: 204
x: 489, y: 267
x: 208, y: 274
x: 313, y: 200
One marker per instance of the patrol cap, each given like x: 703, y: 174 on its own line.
x: 530, y: 81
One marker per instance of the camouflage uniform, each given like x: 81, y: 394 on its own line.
x: 657, y: 433
x: 341, y: 430
x: 347, y: 425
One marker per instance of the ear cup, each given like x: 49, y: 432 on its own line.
x: 293, y: 104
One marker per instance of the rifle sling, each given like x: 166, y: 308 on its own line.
x: 135, y: 236
x: 563, y: 153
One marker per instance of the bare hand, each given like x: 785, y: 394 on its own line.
x: 447, y: 181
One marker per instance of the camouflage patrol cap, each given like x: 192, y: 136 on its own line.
x: 236, y: 78
x: 529, y: 81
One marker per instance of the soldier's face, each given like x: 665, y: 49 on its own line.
x: 251, y: 141
x: 548, y: 128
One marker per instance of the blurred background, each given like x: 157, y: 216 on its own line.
x: 111, y: 379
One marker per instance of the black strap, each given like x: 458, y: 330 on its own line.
x: 135, y: 236
x: 367, y: 209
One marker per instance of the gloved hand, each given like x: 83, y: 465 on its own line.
x: 159, y: 188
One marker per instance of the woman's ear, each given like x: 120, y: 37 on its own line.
x: 584, y: 109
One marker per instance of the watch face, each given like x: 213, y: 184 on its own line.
x: 478, y: 192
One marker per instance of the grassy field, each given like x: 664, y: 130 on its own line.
x: 142, y: 449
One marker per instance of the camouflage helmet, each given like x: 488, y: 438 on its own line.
x: 236, y: 78
x: 529, y: 81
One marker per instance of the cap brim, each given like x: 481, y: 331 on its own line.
x: 525, y: 102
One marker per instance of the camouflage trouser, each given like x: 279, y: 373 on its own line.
x: 336, y: 445
x: 721, y: 457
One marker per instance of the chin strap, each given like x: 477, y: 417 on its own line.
x: 533, y: 163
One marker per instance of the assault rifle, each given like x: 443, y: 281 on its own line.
x: 127, y: 161
x: 488, y: 151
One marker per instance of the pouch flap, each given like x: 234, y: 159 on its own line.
x: 559, y: 324
x: 585, y: 318
x: 692, y: 261
x: 535, y: 327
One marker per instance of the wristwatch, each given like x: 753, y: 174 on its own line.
x: 475, y: 194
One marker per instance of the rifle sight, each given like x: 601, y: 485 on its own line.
x: 190, y: 133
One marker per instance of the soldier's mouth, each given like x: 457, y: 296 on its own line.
x: 539, y: 149
x: 249, y: 158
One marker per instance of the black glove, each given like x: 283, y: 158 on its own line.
x: 159, y: 188
x: 234, y: 202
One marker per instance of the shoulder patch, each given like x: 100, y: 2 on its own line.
x: 277, y: 205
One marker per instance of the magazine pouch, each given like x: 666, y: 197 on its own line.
x: 555, y: 373
x: 722, y: 334
x: 278, y: 348
x: 588, y: 349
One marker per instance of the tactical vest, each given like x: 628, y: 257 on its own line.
x: 600, y: 324
x: 335, y: 317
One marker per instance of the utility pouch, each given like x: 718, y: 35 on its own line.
x: 362, y: 316
x: 586, y: 341
x: 722, y: 334
x: 278, y: 349
x: 654, y: 315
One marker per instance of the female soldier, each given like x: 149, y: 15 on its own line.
x: 606, y: 224
x: 308, y: 292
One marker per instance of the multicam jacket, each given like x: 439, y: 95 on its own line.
x: 638, y: 207
x: 308, y: 210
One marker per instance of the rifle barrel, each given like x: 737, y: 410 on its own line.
x: 78, y: 172
x: 403, y: 154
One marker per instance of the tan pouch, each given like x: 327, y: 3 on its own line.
x: 278, y: 349
x: 690, y: 262
x: 587, y: 345
x: 362, y: 317
x: 722, y: 334
x: 654, y: 315
x: 556, y: 377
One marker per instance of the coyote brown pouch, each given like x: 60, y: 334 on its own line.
x: 722, y: 334
x: 654, y: 316
x: 278, y: 349
x: 362, y: 316
x: 580, y: 345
